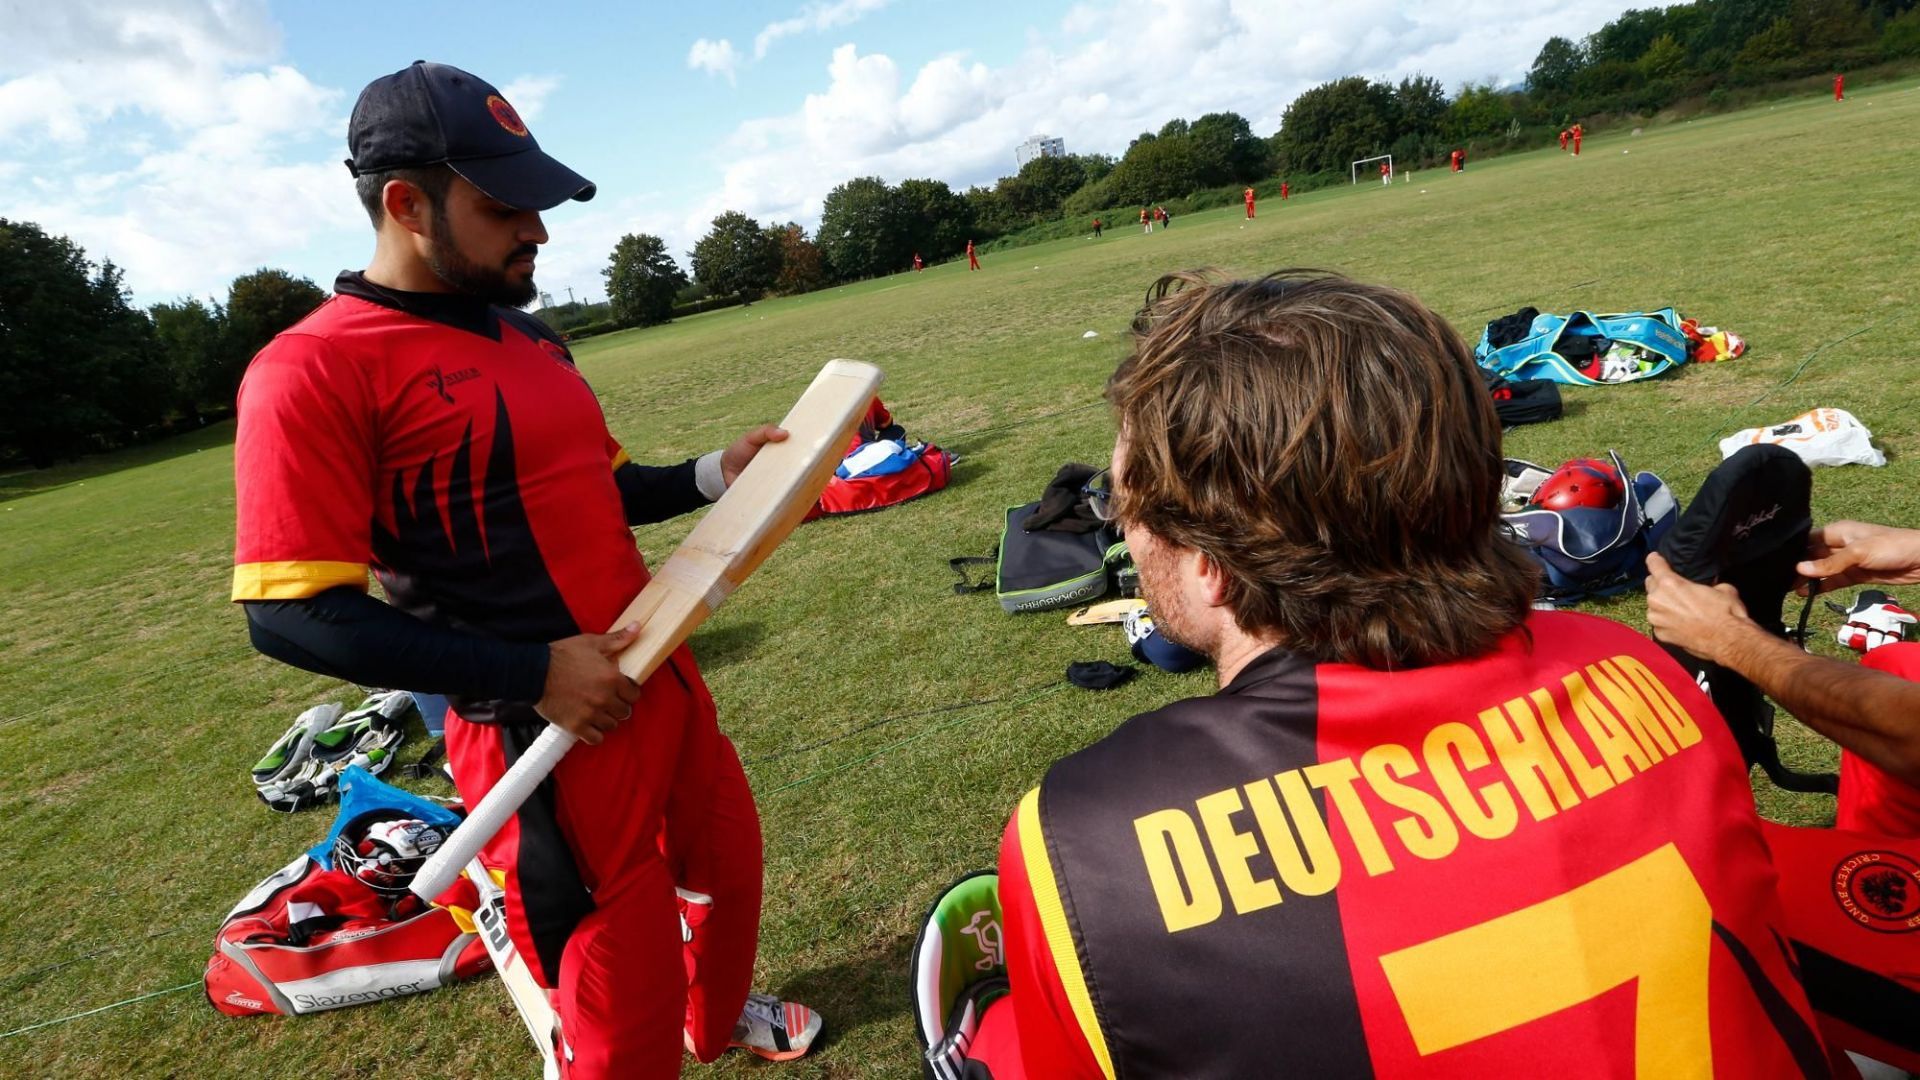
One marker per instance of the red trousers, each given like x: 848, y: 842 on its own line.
x: 1871, y: 799
x: 662, y: 802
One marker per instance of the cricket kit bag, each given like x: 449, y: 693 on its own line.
x: 318, y: 934
x: 1747, y: 527
x: 883, y: 468
x: 1045, y: 569
x: 1588, y: 551
x: 1585, y: 349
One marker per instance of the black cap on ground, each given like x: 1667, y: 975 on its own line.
x: 433, y: 114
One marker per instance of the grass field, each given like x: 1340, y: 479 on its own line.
x: 888, y: 725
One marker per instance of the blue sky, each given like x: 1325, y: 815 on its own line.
x: 194, y: 140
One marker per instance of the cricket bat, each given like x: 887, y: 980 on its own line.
x: 770, y: 496
x: 529, y: 997
x: 1112, y: 611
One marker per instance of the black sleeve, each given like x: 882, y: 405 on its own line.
x: 349, y: 635
x: 650, y: 493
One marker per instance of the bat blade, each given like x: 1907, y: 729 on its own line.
x: 764, y: 503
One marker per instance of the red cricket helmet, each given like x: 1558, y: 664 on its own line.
x: 1582, y: 482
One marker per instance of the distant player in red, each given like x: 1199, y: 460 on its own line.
x: 973, y: 261
x: 1386, y: 173
x: 918, y: 265
x: 1285, y: 188
x: 1248, y: 196
x: 1578, y: 134
x: 1146, y: 220
x: 420, y: 426
x: 1453, y: 160
x: 1564, y: 136
x: 1839, y: 88
x: 1097, y: 227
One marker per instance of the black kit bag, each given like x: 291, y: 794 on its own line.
x: 1747, y: 528
x: 1046, y: 568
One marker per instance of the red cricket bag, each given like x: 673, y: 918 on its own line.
x: 309, y: 939
x: 883, y: 468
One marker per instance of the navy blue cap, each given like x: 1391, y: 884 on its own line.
x: 433, y: 114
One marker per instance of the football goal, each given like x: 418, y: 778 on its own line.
x: 1373, y: 170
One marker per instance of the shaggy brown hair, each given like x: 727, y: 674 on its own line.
x: 1330, y: 447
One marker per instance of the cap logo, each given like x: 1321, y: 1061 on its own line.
x: 503, y: 114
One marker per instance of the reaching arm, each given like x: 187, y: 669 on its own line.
x: 1869, y: 712
x: 650, y: 493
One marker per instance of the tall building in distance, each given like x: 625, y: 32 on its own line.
x: 1038, y: 146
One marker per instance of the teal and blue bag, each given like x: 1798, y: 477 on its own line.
x: 1564, y: 348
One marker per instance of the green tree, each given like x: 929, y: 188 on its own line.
x: 189, y: 334
x: 1420, y: 105
x: 1901, y: 36
x: 802, y: 269
x: 1225, y: 150
x: 863, y: 230
x: 1729, y: 23
x: 1824, y: 25
x: 736, y: 256
x: 990, y: 213
x: 1093, y: 166
x: 1774, y: 43
x: 79, y: 365
x: 1478, y: 111
x: 137, y: 391
x: 1042, y: 185
x: 641, y: 280
x: 1155, y: 170
x: 1336, y: 123
x: 1628, y: 37
x: 1665, y: 58
x: 937, y: 218
x: 1555, y: 68
x: 260, y: 305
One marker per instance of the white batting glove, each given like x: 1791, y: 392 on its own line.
x: 1875, y: 619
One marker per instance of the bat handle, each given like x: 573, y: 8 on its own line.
x: 514, y: 788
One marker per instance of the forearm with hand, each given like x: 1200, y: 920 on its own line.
x: 1869, y: 712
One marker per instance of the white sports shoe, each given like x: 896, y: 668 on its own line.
x: 774, y: 1029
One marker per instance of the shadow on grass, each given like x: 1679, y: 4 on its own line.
x: 716, y: 647
x: 25, y: 482
x: 863, y: 990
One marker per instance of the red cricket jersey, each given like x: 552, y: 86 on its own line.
x: 466, y: 461
x: 1541, y: 861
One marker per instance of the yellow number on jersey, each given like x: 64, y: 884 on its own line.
x: 1647, y: 921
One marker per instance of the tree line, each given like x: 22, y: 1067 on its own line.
x: 1636, y: 65
x: 85, y: 370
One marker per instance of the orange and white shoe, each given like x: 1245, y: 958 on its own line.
x: 774, y: 1029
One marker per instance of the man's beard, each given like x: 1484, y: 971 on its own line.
x: 463, y: 275
x: 1169, y: 612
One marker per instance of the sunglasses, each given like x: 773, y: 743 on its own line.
x: 1099, y: 493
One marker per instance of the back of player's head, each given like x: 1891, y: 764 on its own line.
x: 1330, y: 446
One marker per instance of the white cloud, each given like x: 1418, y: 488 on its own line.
x: 69, y: 66
x: 528, y: 94
x: 814, y: 17
x: 161, y: 135
x: 714, y: 57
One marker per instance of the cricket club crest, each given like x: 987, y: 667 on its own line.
x: 1880, y: 890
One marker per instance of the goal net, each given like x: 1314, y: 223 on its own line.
x: 1370, y: 168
